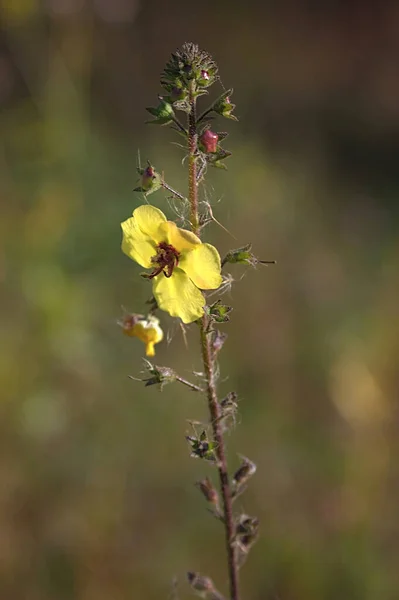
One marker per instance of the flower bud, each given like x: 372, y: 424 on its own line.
x: 163, y: 113
x: 150, y: 180
x: 203, y: 78
x: 159, y: 375
x: 224, y: 107
x: 147, y: 178
x: 199, y: 583
x: 217, y: 341
x: 208, y: 141
x: 203, y: 586
x: 247, y: 525
x: 176, y: 94
x: 206, y: 488
x: 219, y: 312
x: 242, y: 476
x: 244, y: 256
x: 247, y: 529
x: 228, y: 409
x: 201, y: 447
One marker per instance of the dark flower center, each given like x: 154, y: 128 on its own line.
x: 165, y: 260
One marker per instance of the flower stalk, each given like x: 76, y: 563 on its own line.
x: 181, y: 269
x: 192, y: 164
x: 209, y: 370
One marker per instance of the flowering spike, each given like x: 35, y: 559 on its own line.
x: 189, y: 65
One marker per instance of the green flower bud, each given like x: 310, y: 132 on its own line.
x: 177, y: 94
x: 159, y: 375
x: 219, y: 312
x: 244, y: 256
x: 224, y: 107
x: 150, y: 180
x: 201, y: 447
x: 163, y: 113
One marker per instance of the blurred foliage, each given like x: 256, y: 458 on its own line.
x: 96, y: 485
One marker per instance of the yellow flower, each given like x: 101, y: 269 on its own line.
x: 181, y: 264
x: 145, y: 329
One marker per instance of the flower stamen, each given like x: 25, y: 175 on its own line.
x: 166, y: 259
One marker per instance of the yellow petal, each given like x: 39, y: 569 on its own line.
x: 149, y: 349
x: 136, y: 244
x: 148, y: 219
x: 148, y: 331
x: 181, y: 239
x: 178, y: 296
x: 203, y: 267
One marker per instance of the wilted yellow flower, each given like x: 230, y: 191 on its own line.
x: 146, y: 329
x: 181, y: 264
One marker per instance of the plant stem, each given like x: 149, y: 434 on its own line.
x: 192, y: 166
x: 192, y: 386
x: 215, y: 412
x: 209, y: 370
x: 179, y: 125
x: 204, y: 114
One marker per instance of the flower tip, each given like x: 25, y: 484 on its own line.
x: 149, y: 349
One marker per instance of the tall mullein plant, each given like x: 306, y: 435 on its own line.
x: 181, y: 269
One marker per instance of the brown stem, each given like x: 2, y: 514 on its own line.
x: 215, y: 412
x: 192, y: 167
x: 192, y: 386
x: 209, y: 368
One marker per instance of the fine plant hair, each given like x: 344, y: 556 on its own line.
x: 188, y: 75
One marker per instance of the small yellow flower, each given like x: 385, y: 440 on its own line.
x: 181, y: 264
x: 146, y: 329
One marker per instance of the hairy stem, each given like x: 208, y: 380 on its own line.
x: 215, y: 412
x: 192, y: 166
x: 192, y: 386
x: 209, y: 370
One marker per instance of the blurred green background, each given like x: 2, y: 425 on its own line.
x: 96, y: 485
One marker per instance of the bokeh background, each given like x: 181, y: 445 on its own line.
x: 96, y: 484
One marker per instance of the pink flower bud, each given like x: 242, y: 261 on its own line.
x: 209, y: 141
x: 147, y: 178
